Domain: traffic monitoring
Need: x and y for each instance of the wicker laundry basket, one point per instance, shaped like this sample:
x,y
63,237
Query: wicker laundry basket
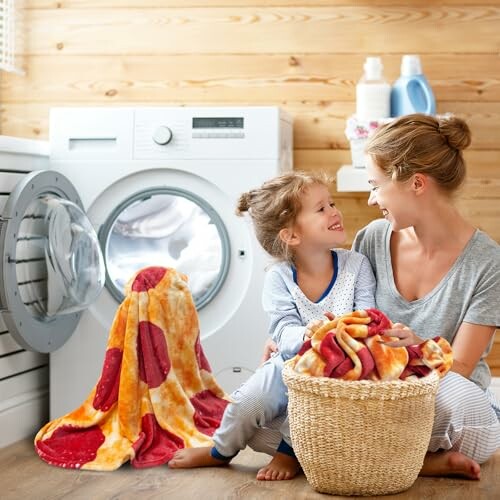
x,y
360,437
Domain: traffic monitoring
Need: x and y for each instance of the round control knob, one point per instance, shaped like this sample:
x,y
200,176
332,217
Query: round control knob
x,y
162,135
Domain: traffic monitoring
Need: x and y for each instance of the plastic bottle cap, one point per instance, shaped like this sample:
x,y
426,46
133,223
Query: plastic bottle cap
x,y
373,68
410,65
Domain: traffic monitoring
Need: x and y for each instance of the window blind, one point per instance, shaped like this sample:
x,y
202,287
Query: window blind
x,y
11,36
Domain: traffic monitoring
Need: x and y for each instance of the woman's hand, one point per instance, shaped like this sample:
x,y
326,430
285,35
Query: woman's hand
x,y
269,347
405,335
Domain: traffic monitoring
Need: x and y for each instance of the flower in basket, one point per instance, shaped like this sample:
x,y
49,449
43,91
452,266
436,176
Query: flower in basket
x,y
362,129
358,132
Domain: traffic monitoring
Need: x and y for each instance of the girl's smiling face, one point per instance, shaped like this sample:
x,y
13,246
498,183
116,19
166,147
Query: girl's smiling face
x,y
319,221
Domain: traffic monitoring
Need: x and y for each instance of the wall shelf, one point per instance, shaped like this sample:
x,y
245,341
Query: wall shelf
x,y
351,179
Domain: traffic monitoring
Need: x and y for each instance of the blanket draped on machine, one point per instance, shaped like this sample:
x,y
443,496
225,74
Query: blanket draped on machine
x,y
156,393
352,347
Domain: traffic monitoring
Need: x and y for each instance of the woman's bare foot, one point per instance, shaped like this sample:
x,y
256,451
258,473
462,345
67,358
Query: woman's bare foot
x,y
194,457
282,466
450,463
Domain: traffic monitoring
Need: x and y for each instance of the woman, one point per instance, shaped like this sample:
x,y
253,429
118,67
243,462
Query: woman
x,y
438,275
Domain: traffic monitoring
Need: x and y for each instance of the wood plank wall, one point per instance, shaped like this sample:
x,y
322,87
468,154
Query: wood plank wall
x,y
303,56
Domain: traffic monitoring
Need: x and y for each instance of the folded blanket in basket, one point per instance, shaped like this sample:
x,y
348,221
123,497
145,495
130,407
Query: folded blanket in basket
x,y
156,393
350,347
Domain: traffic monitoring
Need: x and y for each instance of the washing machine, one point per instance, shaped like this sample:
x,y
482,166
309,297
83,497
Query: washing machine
x,y
132,187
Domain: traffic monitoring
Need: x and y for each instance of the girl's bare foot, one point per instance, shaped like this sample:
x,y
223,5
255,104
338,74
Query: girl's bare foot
x,y
450,463
194,457
282,466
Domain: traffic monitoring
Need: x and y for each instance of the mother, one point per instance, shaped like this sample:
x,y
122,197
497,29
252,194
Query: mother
x,y
438,275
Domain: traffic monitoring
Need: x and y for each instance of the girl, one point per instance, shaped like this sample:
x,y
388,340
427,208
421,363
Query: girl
x,y
296,222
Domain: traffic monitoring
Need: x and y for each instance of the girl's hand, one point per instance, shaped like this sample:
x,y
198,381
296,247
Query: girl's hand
x,y
269,347
405,335
313,325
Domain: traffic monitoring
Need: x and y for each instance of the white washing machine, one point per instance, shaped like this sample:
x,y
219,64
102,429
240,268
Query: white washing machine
x,y
159,185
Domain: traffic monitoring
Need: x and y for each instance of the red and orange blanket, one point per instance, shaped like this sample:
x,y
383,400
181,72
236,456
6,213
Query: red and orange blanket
x,y
156,393
352,347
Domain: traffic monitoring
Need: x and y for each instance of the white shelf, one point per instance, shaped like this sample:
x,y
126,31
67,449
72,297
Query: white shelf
x,y
352,179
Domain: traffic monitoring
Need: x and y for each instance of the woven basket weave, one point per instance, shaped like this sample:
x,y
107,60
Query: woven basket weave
x,y
360,437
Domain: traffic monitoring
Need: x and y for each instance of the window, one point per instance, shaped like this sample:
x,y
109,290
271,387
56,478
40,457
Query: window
x,y
11,36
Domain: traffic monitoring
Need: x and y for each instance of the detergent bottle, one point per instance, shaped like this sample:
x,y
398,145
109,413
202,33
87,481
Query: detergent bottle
x,y
411,92
373,93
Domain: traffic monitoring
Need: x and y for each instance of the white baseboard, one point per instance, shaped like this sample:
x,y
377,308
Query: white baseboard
x,y
22,416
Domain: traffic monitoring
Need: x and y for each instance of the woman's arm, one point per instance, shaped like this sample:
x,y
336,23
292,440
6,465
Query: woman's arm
x,y
468,346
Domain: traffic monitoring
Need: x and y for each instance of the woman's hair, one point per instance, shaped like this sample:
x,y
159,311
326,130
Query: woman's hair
x,y
275,206
424,144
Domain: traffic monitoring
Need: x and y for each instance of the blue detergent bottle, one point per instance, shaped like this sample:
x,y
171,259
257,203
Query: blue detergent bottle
x,y
411,92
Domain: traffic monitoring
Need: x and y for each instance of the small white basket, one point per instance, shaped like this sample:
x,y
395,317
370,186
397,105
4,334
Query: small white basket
x,y
358,152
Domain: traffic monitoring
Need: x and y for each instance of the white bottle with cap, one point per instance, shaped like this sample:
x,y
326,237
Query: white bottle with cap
x,y
373,93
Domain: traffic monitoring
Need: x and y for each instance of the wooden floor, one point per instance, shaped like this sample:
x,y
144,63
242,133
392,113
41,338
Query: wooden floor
x,y
24,476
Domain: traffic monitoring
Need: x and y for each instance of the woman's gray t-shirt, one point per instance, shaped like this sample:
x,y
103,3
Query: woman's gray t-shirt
x,y
469,292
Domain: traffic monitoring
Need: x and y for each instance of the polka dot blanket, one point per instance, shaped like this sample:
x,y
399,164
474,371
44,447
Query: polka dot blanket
x,y
352,347
156,393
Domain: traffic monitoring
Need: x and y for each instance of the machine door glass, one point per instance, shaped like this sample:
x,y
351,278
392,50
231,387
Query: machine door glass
x,y
169,227
52,266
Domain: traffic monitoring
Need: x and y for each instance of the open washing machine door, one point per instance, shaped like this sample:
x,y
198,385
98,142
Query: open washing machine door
x,y
52,266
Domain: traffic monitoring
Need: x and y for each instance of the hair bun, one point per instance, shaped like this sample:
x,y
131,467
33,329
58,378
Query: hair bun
x,y
243,204
455,130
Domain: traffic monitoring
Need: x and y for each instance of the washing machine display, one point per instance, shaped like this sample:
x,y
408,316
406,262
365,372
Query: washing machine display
x,y
167,227
218,122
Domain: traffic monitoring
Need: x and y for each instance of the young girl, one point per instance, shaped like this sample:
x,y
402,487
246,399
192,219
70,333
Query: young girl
x,y
297,223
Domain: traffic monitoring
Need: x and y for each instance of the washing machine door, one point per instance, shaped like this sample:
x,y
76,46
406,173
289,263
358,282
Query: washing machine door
x,y
52,267
171,227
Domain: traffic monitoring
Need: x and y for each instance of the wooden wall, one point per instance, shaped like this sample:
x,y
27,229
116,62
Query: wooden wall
x,y
304,56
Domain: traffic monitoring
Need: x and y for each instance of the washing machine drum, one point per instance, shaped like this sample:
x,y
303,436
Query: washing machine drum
x,y
52,266
169,227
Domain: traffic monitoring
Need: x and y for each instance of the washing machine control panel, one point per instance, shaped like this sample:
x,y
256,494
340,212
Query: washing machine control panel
x,y
188,133
208,132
